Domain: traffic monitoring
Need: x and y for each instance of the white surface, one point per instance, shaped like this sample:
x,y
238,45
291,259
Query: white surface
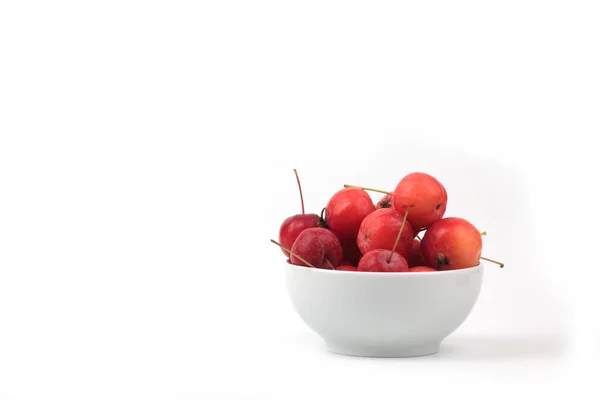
x,y
374,314
146,156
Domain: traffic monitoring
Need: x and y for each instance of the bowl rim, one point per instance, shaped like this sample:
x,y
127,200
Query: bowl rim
x,y
477,267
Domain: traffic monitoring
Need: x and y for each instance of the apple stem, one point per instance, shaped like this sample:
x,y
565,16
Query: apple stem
x,y
398,237
417,237
364,188
484,233
329,262
494,261
295,255
323,220
300,189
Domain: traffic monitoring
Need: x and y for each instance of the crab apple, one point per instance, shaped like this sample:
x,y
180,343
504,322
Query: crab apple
x,y
346,210
379,260
415,254
424,196
346,268
452,243
385,202
421,268
319,246
292,226
379,230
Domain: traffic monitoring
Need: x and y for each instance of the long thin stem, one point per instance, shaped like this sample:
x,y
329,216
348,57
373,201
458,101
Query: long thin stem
x,y
295,255
398,237
370,189
494,261
300,189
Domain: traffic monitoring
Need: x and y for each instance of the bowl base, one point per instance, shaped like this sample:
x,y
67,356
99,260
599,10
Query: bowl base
x,y
383,351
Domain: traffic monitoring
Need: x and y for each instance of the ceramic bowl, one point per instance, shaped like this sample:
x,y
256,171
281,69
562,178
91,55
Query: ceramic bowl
x,y
383,314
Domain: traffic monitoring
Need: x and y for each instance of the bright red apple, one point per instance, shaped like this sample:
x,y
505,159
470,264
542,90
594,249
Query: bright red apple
x,y
424,196
346,210
380,229
452,243
380,261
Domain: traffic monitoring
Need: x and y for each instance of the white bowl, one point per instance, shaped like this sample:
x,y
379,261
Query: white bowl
x,y
383,314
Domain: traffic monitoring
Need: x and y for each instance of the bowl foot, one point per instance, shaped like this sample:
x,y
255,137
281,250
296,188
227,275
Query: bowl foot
x,y
384,350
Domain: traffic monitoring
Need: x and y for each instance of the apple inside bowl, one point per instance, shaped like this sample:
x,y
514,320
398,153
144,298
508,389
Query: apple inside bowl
x,y
383,314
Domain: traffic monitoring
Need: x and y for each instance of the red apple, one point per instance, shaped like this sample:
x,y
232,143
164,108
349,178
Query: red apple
x,y
319,246
424,196
380,261
380,229
346,210
452,243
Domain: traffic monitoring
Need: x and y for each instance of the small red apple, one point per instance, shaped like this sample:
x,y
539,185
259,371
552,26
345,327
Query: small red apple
x,y
424,196
380,229
380,261
452,243
319,246
346,210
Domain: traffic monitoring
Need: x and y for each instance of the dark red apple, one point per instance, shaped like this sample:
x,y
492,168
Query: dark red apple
x,y
380,261
319,246
345,211
452,243
380,229
423,196
346,268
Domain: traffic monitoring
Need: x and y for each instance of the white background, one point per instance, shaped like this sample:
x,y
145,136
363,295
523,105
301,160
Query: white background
x,y
146,156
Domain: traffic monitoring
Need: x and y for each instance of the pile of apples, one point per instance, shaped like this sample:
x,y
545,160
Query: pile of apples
x,y
357,235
